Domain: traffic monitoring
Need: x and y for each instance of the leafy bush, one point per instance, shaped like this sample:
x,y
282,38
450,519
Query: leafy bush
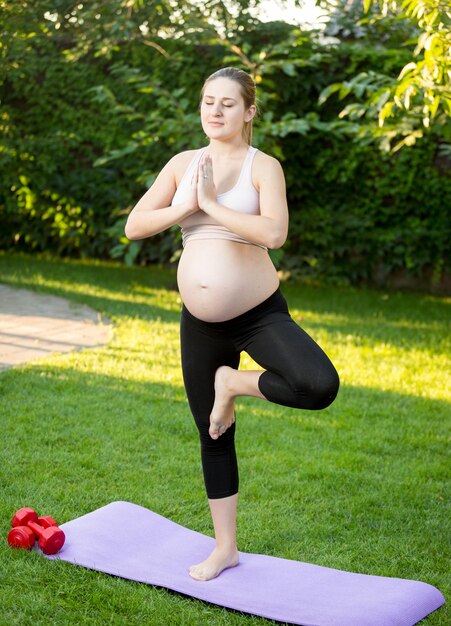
x,y
87,129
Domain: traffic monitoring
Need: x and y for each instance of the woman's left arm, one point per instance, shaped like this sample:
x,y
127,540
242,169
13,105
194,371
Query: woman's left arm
x,y
268,229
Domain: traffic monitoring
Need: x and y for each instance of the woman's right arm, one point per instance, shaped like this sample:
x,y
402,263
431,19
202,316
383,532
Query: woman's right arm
x,y
153,213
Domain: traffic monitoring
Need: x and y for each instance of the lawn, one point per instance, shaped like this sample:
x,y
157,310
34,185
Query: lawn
x,y
360,486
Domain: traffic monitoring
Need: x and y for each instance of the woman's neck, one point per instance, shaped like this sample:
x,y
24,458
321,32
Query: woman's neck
x,y
225,150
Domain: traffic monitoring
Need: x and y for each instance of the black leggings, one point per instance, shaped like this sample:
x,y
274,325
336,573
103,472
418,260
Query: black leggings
x,y
298,374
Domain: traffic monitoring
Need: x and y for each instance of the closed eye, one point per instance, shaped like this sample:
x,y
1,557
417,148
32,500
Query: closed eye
x,y
226,105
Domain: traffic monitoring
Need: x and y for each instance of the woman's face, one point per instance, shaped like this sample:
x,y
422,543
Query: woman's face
x,y
222,109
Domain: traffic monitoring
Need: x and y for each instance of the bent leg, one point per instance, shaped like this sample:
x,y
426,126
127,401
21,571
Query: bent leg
x,y
298,372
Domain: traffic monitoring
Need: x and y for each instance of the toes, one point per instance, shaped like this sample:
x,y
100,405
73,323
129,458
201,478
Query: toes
x,y
214,432
197,574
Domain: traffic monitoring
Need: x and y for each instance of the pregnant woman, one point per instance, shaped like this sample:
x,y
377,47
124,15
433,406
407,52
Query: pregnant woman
x,y
229,199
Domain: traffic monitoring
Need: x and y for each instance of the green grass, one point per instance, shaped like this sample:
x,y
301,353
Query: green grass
x,y
361,486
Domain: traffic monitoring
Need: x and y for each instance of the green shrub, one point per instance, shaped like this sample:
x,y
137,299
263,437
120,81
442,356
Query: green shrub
x,y
83,139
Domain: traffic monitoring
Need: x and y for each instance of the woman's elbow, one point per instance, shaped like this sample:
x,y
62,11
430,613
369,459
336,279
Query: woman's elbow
x,y
130,230
276,240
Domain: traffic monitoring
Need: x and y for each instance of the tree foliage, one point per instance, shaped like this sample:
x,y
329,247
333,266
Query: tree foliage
x,y
96,97
397,111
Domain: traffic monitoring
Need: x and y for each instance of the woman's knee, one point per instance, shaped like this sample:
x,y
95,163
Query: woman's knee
x,y
318,393
219,463
326,390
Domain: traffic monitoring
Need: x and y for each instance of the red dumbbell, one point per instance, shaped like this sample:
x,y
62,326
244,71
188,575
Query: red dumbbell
x,y
27,526
23,536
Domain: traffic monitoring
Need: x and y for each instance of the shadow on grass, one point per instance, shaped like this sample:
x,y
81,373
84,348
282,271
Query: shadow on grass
x,y
398,319
130,292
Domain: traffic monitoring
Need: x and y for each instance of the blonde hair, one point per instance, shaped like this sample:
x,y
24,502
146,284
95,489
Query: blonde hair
x,y
248,91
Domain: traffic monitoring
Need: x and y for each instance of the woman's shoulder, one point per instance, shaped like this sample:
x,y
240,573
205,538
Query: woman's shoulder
x,y
265,164
180,161
266,160
183,159
184,156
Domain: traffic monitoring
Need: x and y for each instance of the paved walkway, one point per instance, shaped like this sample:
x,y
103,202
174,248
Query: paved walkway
x,y
33,326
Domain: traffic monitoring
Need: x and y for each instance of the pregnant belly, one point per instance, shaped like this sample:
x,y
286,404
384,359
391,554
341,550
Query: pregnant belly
x,y
220,279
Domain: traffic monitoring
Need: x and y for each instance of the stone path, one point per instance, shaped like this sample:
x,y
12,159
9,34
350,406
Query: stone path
x,y
33,326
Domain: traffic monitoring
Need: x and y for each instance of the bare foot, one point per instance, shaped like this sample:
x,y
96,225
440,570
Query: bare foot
x,y
223,412
219,560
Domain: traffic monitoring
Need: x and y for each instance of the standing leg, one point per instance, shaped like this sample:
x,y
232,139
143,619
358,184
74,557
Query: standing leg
x,y
225,553
202,353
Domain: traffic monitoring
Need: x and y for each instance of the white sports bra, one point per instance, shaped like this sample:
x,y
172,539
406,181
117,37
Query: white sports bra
x,y
243,197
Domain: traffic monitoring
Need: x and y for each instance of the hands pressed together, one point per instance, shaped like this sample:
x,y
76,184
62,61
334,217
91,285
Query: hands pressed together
x,y
203,190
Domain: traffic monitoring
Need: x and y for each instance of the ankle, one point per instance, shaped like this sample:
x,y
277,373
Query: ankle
x,y
226,374
226,547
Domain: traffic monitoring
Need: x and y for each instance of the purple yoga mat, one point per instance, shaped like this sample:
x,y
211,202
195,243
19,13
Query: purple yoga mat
x,y
129,541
